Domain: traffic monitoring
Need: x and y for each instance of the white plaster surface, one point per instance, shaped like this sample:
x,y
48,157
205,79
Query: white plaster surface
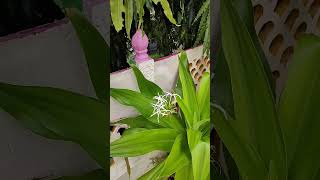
x,y
52,58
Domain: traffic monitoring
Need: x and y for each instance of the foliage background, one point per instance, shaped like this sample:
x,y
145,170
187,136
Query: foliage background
x,y
165,38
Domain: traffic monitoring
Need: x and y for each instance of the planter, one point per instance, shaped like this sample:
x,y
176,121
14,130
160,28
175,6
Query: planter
x,y
48,55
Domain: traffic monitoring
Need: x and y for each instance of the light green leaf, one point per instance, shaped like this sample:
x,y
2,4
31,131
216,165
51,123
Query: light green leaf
x,y
146,87
179,156
131,131
298,110
166,9
203,96
143,142
96,52
188,88
185,173
154,173
117,8
255,114
201,160
172,121
138,122
128,5
60,114
134,99
194,137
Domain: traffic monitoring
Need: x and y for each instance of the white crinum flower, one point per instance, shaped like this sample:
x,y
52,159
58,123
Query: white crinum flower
x,y
165,104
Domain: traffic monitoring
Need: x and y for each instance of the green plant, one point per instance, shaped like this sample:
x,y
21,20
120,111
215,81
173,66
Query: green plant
x,y
204,26
63,115
183,133
268,139
135,10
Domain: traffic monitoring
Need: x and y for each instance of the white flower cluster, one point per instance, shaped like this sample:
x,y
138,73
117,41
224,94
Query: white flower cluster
x,y
165,104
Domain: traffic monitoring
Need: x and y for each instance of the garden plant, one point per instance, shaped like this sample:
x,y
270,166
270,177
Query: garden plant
x,y
175,122
268,138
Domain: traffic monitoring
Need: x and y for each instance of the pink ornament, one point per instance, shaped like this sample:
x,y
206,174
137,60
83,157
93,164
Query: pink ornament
x,y
140,43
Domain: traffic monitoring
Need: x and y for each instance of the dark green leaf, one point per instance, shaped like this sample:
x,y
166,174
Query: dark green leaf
x,y
96,52
69,4
59,114
255,113
299,112
146,87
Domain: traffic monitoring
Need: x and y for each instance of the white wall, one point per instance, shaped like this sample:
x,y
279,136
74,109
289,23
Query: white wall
x,y
50,58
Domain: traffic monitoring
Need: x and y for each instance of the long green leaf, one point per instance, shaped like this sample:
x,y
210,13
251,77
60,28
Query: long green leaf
x,y
185,173
146,87
143,142
154,173
96,52
201,160
254,105
166,9
117,8
299,112
203,96
178,158
222,91
134,99
247,159
59,114
138,122
128,5
188,88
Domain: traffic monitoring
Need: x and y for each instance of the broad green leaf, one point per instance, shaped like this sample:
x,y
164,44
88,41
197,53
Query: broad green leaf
x,y
131,131
94,175
185,173
187,114
134,99
247,159
255,114
69,4
188,88
143,142
146,87
194,137
154,173
117,8
222,91
172,121
201,160
298,110
166,9
203,96
179,156
96,52
60,114
128,5
139,122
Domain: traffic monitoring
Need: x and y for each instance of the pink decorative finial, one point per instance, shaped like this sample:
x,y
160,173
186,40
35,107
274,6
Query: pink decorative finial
x,y
140,45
